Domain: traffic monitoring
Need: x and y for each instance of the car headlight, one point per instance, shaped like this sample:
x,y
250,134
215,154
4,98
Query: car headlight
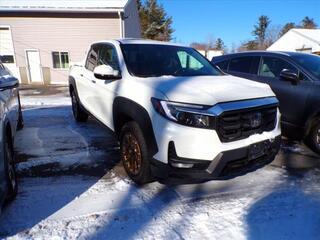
x,y
185,114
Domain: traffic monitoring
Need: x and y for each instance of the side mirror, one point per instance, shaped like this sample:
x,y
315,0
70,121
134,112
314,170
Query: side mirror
x,y
106,72
8,82
288,75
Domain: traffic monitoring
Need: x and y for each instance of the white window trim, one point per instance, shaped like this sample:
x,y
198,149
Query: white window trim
x,y
61,69
14,53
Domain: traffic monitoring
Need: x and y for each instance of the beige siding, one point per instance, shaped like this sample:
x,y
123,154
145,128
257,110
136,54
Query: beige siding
x,y
132,20
58,34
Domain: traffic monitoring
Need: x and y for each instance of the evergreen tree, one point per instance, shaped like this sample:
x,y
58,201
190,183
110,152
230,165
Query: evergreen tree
x,y
260,30
287,27
154,21
308,23
219,45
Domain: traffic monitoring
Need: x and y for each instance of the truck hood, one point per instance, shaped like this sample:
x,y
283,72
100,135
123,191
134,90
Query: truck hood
x,y
208,90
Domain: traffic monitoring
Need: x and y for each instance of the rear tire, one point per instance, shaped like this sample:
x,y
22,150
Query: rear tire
x,y
134,153
10,170
313,139
78,113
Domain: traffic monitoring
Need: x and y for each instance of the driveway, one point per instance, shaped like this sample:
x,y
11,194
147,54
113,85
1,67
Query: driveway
x,y
72,186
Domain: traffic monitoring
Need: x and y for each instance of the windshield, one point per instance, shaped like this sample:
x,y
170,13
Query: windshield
x,y
309,62
151,60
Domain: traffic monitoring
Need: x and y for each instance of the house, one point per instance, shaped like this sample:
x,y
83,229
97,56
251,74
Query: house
x,y
298,40
39,39
209,53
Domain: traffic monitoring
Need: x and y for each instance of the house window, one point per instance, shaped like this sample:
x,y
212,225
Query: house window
x,y
60,60
7,59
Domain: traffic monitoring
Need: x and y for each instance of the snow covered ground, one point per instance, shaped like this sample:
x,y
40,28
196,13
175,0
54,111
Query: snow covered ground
x,y
73,187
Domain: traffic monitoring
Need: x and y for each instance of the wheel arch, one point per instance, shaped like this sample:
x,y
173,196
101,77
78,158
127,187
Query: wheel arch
x,y
311,121
125,110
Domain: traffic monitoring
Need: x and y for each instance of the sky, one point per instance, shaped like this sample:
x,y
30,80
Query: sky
x,y
232,20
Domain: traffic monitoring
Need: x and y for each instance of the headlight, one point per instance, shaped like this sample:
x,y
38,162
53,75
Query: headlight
x,y
185,114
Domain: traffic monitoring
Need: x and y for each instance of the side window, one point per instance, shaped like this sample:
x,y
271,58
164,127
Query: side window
x,y
92,58
272,67
223,65
108,56
188,62
244,65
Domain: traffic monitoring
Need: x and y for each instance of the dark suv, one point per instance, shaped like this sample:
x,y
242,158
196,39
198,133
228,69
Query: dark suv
x,y
295,79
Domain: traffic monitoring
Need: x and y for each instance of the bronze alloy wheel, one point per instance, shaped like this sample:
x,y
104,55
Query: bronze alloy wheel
x,y
131,154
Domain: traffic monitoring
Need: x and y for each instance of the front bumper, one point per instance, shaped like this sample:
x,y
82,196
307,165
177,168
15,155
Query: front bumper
x,y
226,165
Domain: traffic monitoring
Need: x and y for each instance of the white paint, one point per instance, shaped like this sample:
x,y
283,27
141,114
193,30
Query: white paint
x,y
34,66
97,96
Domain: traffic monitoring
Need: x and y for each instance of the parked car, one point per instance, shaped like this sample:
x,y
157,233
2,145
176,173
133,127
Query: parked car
x,y
10,121
295,79
175,115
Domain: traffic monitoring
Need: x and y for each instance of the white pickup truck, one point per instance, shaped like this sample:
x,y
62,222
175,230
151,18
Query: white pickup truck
x,y
175,114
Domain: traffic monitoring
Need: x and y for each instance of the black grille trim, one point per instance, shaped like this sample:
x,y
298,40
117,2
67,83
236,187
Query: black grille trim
x,y
235,125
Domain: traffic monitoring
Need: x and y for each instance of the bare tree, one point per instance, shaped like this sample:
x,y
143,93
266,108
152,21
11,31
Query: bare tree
x,y
272,34
248,46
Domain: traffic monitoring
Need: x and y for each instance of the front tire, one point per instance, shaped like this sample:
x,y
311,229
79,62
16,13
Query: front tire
x,y
78,113
313,140
134,154
10,171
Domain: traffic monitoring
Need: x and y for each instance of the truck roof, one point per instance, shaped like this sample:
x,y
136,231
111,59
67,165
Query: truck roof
x,y
140,41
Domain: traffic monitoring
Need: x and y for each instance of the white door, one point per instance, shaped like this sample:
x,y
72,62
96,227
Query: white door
x,y
34,66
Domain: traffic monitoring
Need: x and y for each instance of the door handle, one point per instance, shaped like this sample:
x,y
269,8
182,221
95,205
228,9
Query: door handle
x,y
81,75
94,81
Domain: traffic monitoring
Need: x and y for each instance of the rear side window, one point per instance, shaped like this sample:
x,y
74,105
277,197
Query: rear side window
x,y
223,65
244,65
272,67
92,58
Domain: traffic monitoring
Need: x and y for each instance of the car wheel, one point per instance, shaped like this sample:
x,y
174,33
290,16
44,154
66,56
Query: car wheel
x,y
313,140
10,171
78,113
134,154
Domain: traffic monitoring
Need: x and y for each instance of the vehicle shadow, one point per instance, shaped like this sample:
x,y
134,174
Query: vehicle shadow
x,y
51,145
286,213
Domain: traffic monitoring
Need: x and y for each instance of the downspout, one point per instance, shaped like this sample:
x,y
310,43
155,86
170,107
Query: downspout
x,y
121,19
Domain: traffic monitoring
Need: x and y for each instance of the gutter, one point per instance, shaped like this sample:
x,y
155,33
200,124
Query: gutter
x,y
121,24
60,10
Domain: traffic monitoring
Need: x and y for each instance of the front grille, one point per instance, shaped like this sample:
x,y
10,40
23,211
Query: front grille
x,y
240,124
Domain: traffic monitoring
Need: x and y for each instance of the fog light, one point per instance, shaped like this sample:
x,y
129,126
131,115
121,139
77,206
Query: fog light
x,y
182,165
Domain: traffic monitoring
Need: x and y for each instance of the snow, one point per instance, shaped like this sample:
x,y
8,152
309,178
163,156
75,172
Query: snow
x,y
267,204
270,203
